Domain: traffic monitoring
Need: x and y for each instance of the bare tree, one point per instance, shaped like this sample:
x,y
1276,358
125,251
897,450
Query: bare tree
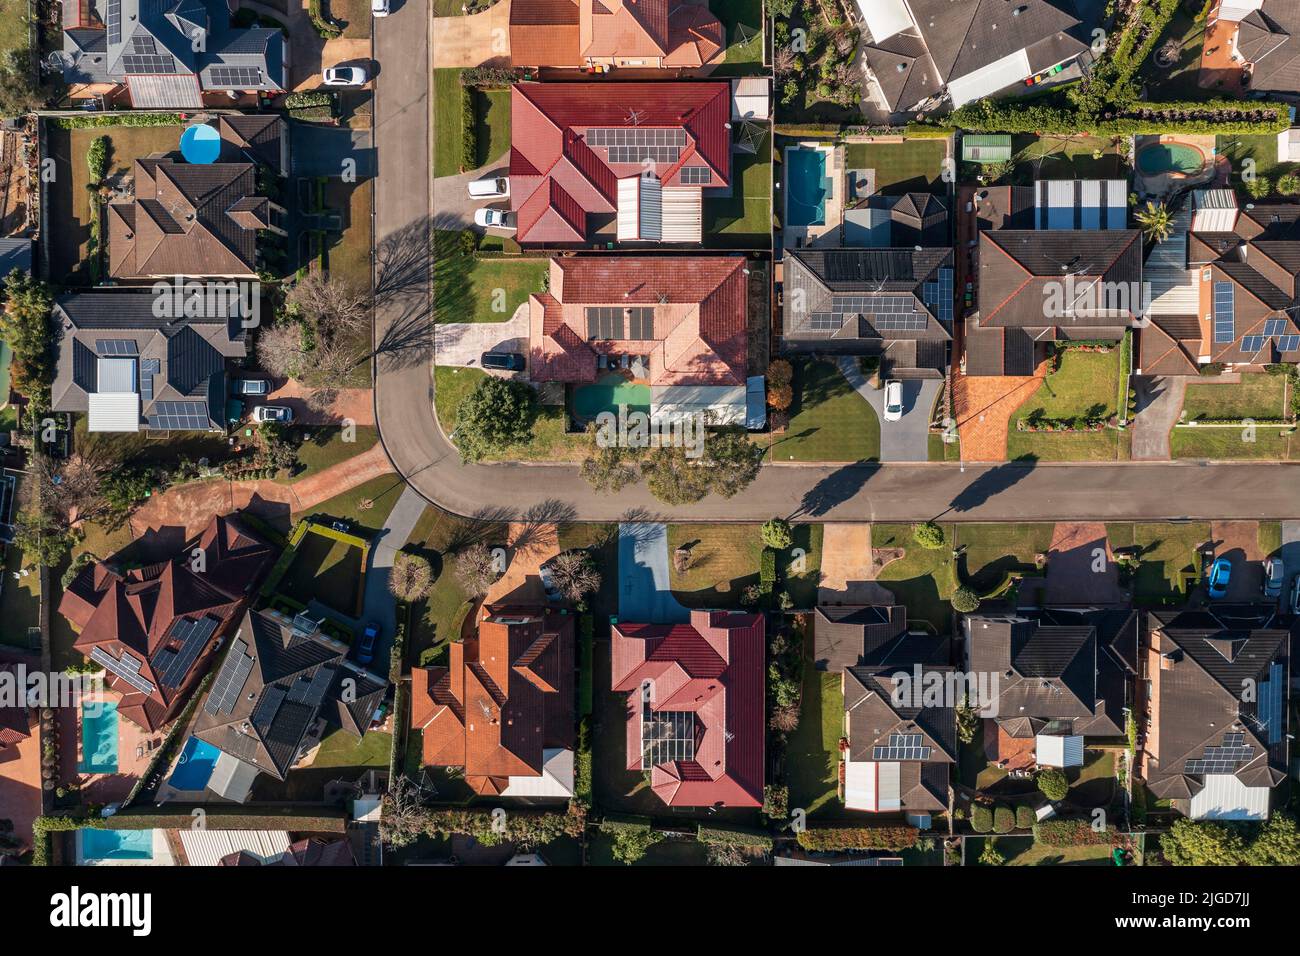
x,y
73,489
476,569
330,303
575,574
280,350
402,818
410,578
783,61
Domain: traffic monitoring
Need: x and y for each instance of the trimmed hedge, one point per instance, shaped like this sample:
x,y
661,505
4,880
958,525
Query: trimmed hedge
x,y
469,130
1072,833
988,116
733,836
825,839
1025,817
981,819
98,120
1004,820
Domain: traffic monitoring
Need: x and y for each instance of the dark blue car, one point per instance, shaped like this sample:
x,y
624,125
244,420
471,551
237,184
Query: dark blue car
x,y
366,646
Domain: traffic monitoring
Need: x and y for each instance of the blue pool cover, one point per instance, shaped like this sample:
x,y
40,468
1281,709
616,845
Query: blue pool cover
x,y
196,764
200,144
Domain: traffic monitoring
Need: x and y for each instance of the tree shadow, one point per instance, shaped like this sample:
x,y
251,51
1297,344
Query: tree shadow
x,y
403,261
834,490
992,483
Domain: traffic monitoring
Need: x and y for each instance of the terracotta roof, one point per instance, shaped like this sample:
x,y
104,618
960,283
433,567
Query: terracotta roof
x,y
1164,354
505,698
544,33
135,612
698,334
550,147
706,676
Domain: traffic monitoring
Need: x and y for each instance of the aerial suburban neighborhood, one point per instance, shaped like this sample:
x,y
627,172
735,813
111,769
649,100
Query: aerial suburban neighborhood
x,y
612,433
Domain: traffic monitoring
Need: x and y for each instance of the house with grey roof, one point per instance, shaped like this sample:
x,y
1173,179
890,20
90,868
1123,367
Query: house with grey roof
x,y
1266,42
168,54
921,53
1216,737
283,687
845,636
129,369
896,304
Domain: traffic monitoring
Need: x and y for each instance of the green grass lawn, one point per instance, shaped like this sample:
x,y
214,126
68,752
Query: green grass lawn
x,y
1225,444
354,13
329,571
492,125
744,219
915,165
1262,149
448,120
1258,396
13,25
1168,554
1024,851
21,600
1086,385
812,754
923,580
995,550
724,560
550,441
829,420
366,506
740,58
1269,535
469,289
1065,157
672,852
1179,82
1093,784
324,447
341,757
348,252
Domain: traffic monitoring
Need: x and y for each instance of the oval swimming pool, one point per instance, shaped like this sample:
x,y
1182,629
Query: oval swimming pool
x,y
1170,158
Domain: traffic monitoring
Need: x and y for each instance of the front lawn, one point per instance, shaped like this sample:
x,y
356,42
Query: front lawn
x,y
1167,553
922,579
366,506
550,440
1257,395
327,570
1025,851
743,220
1086,386
914,165
491,124
1269,443
993,551
348,253
323,447
449,123
829,420
1179,81
724,560
467,288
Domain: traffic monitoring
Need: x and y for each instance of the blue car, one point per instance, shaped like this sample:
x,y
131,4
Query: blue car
x,y
366,646
1219,573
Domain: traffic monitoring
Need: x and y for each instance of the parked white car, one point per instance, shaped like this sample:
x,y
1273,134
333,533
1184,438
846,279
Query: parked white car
x,y
379,8
272,413
494,219
345,76
893,400
496,188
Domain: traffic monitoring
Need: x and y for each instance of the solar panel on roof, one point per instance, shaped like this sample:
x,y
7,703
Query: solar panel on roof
x,y
114,21
1252,343
143,44
268,706
116,347
179,416
1288,343
141,64
127,668
1224,312
193,637
696,175
241,76
1270,704
1276,326
230,682
826,321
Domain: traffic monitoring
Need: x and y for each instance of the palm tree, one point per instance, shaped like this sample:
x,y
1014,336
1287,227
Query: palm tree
x,y
1156,221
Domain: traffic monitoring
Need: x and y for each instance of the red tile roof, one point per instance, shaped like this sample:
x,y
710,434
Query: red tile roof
x,y
564,33
549,124
713,669
700,326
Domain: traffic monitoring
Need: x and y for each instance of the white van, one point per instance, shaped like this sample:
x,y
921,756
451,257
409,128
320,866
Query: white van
x,y
496,188
893,400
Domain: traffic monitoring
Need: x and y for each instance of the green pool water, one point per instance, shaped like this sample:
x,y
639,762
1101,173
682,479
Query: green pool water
x,y
607,393
1170,158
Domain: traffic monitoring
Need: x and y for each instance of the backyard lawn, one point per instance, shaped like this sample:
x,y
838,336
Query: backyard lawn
x,y
1066,157
21,600
1024,851
550,441
744,219
914,165
1167,551
813,751
740,57
1258,396
1085,386
341,756
829,420
1237,148
469,289
327,570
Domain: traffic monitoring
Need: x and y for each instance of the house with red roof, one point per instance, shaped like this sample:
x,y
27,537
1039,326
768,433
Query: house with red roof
x,y
669,34
593,163
677,325
155,629
503,707
695,706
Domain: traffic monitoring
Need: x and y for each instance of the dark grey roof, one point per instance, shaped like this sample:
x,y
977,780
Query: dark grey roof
x,y
844,636
1205,659
294,679
1269,40
15,254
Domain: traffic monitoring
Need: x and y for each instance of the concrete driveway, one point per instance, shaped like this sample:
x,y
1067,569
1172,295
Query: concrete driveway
x,y
473,40
1080,566
452,203
320,150
846,571
1238,541
644,592
1159,402
463,343
378,601
907,439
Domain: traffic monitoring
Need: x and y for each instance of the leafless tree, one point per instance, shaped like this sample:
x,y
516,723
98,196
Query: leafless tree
x,y
575,574
785,719
410,578
279,349
476,569
330,304
402,818
783,61
73,489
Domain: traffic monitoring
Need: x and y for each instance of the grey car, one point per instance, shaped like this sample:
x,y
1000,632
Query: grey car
x,y
1274,578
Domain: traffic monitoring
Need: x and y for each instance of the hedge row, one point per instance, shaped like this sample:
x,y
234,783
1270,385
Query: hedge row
x,y
1072,833
733,836
827,839
469,130
614,822
97,120
1216,116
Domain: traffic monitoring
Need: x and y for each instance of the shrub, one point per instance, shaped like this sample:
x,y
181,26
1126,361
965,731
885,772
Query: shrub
x,y
990,855
469,128
779,372
1004,820
981,818
767,571
777,534
1053,784
1025,817
780,396
965,600
827,839
733,836
1259,187
97,159
929,535
1288,185
1071,833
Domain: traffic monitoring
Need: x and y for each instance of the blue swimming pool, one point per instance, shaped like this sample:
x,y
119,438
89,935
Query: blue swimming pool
x,y
806,187
116,845
195,767
98,737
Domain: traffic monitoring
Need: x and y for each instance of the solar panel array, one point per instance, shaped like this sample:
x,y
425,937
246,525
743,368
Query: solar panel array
x,y
1252,343
1269,707
1224,312
696,175
148,369
938,295
1288,343
266,709
1224,758
142,43
902,747
312,691
193,636
179,416
1274,327
143,64
127,668
116,347
230,682
633,144
666,736
114,21
241,76
826,321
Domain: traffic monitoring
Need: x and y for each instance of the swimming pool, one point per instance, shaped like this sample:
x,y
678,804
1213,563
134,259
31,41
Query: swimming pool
x,y
609,392
116,845
806,187
195,766
98,737
1170,158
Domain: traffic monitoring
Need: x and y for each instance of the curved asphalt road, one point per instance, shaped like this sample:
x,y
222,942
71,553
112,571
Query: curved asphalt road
x,y
859,492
